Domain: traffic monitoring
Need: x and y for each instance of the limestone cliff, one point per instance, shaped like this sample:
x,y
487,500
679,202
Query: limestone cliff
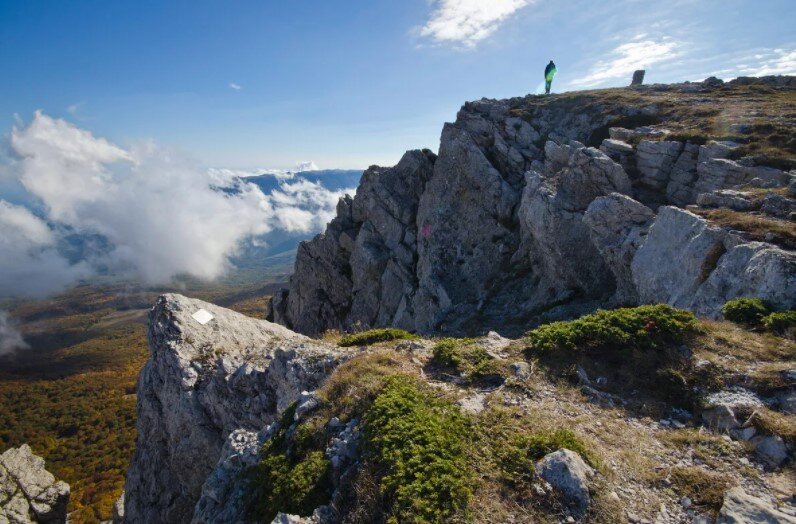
x,y
211,373
539,208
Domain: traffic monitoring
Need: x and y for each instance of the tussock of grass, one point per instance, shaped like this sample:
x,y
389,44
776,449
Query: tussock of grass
x,y
643,327
372,336
707,446
522,450
756,226
703,487
506,444
770,422
465,357
353,386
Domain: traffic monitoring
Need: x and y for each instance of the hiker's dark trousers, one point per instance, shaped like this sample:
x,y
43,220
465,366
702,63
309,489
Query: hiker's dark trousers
x,y
547,84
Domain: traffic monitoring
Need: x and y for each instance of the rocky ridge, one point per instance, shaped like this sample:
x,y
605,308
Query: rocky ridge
x,y
539,208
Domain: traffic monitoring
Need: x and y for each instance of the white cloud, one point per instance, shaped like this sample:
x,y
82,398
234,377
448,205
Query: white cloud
x,y
467,22
64,165
773,62
304,206
628,57
74,108
306,166
162,213
236,87
30,264
10,339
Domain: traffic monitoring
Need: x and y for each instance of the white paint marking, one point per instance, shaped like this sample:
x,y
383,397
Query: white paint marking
x,y
202,316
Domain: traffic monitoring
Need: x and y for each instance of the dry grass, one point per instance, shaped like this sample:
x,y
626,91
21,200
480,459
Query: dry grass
x,y
708,447
745,349
756,226
771,422
703,487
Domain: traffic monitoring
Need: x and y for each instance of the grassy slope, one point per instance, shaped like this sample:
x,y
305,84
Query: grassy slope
x,y
641,463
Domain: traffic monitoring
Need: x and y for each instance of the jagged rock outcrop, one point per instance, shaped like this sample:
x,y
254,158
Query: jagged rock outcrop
x,y
497,232
28,492
208,378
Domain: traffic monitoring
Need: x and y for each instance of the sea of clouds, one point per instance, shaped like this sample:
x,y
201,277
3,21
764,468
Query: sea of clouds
x,y
159,212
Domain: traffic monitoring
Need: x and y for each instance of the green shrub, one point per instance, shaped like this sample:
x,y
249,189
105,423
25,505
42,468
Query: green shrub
x,y
373,336
783,323
292,479
418,442
642,327
747,311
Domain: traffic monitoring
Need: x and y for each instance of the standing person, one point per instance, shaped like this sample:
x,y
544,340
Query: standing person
x,y
549,72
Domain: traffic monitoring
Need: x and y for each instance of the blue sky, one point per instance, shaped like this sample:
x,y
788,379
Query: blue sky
x,y
255,84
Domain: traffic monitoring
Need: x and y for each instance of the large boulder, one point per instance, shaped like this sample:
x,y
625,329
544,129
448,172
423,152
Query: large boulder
x,y
688,263
28,492
569,475
211,372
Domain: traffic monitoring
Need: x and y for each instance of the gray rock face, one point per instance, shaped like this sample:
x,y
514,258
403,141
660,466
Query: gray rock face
x,y
742,508
569,476
204,380
680,189
680,251
618,226
656,161
755,270
687,263
771,449
224,493
551,215
436,243
28,492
